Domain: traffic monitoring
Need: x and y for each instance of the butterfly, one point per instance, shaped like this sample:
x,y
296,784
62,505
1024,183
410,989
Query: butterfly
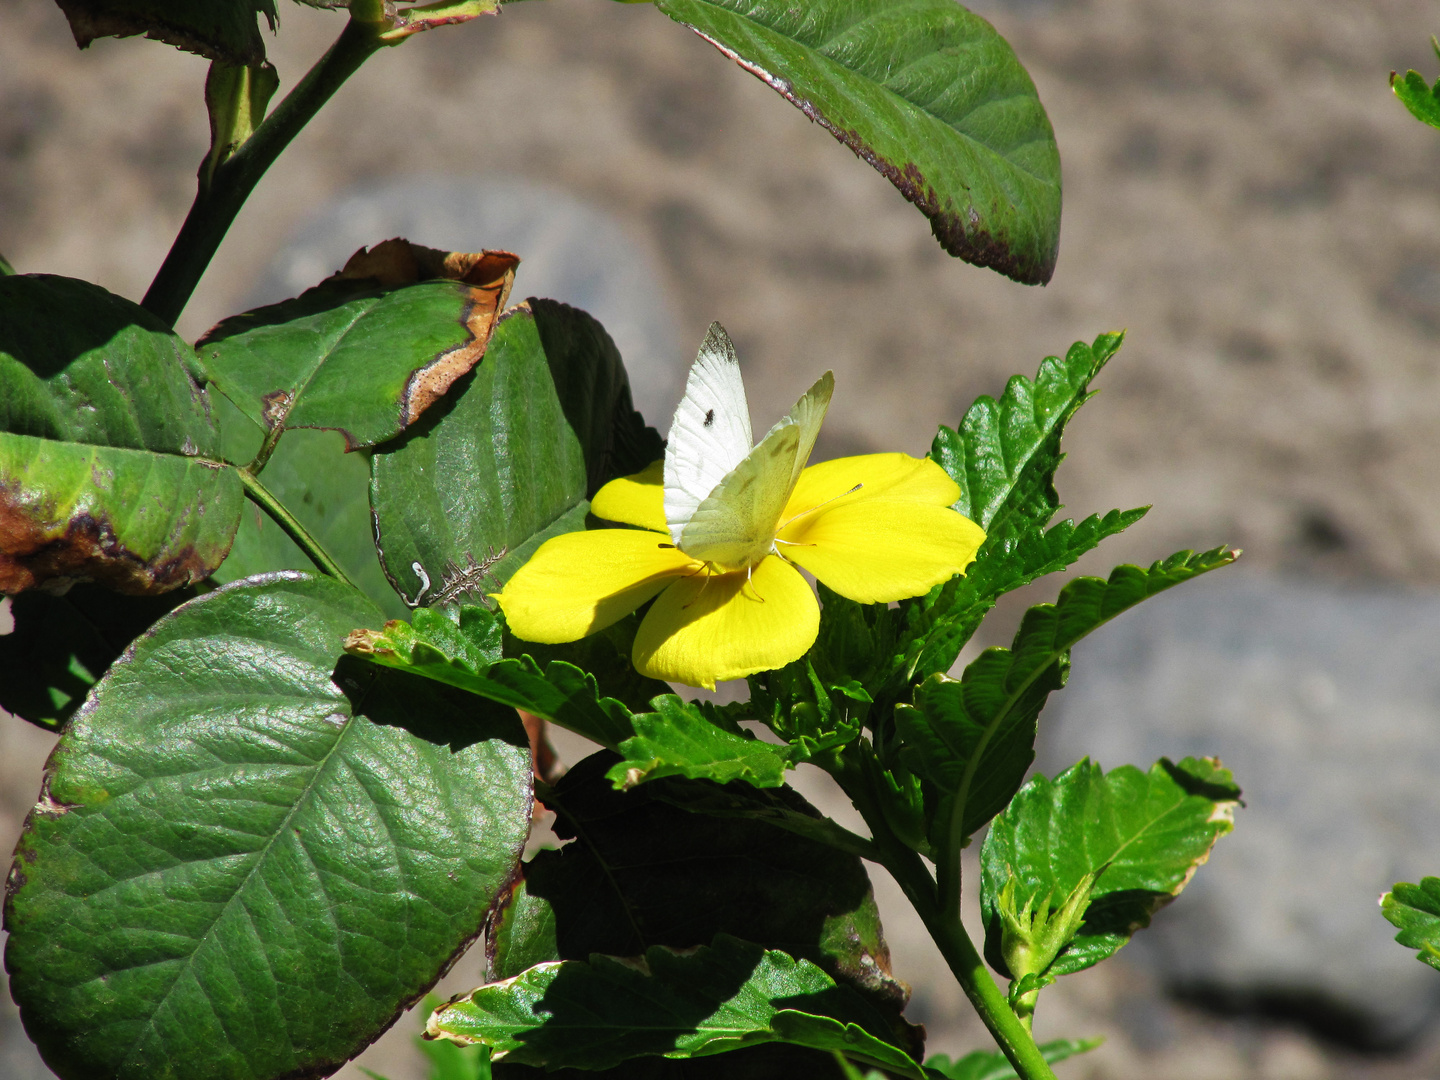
x,y
723,494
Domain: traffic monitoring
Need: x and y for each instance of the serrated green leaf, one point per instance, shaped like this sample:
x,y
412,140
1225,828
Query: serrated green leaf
x,y
560,692
509,460
686,739
642,869
1004,453
236,827
993,1065
1422,99
1142,836
352,355
716,998
62,645
1415,910
928,94
935,627
219,29
974,738
108,467
605,655
325,489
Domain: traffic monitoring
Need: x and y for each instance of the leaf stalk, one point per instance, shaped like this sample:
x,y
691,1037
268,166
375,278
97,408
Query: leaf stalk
x,y
948,933
231,181
314,550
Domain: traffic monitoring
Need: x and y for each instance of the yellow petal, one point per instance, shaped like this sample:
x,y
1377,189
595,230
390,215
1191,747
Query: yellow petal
x,y
881,549
892,476
581,582
705,628
634,500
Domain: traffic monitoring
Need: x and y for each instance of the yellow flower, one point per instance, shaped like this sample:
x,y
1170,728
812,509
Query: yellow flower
x,y
874,528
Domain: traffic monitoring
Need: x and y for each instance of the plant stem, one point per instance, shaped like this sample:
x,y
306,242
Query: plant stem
x,y
948,933
316,552
217,203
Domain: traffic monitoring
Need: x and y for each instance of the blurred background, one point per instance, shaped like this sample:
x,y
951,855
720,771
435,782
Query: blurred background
x,y
1243,194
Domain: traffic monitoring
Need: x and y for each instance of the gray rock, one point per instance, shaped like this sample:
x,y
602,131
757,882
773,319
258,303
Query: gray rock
x,y
570,251
1325,701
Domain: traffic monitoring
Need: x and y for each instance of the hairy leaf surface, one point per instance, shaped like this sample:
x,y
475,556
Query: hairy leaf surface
x,y
928,94
235,827
1415,909
722,997
974,737
108,454
1141,834
1004,453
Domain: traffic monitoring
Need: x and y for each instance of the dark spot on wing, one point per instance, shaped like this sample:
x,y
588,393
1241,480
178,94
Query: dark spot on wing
x,y
709,417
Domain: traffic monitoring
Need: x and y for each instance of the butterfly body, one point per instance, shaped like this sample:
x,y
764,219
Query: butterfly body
x,y
723,496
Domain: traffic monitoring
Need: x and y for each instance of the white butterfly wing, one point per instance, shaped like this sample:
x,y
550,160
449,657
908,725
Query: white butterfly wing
x,y
710,434
735,526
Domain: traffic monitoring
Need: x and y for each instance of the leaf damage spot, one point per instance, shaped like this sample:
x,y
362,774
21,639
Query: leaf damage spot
x,y
275,406
488,276
36,551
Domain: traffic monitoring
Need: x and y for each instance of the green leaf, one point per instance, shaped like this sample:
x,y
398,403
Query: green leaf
x,y
769,1061
993,1065
687,739
973,738
1415,909
722,997
1422,99
1141,835
1004,453
928,94
328,492
643,870
235,827
511,460
936,627
218,29
107,447
605,655
354,355
62,645
460,647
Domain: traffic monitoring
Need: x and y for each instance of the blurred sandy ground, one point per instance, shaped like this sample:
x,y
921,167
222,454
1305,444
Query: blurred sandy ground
x,y
1242,193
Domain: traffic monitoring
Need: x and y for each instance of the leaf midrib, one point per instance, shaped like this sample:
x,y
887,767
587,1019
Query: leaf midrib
x,y
303,797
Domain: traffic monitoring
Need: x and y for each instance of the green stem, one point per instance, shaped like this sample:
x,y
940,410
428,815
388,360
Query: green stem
x,y
217,203
948,933
262,497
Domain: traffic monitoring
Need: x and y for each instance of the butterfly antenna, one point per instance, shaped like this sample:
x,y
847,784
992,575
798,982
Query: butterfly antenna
x,y
817,506
705,569
750,580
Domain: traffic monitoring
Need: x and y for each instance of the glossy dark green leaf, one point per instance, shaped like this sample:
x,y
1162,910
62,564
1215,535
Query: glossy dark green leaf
x,y
1004,453
461,647
219,29
327,491
1415,909
974,737
62,645
605,655
993,1065
108,453
236,827
643,871
1142,835
770,1061
725,996
511,458
928,94
351,354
